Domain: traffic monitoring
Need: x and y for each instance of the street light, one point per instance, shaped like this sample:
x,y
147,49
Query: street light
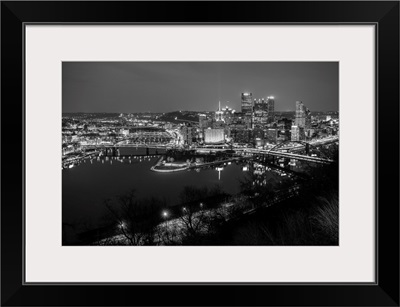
x,y
165,214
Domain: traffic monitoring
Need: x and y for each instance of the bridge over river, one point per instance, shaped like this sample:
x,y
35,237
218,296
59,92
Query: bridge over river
x,y
282,150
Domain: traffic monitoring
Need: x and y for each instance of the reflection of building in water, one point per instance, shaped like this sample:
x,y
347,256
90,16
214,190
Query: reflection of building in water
x,y
219,169
214,136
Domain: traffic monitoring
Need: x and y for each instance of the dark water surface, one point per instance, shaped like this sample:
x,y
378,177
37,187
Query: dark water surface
x,y
85,187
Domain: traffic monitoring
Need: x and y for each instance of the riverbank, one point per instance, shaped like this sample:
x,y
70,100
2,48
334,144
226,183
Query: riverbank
x,y
167,167
164,167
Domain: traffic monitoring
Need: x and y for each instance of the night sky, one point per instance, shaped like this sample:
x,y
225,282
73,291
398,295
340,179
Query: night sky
x,y
128,87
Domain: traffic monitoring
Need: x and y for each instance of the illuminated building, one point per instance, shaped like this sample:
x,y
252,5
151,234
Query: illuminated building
x,y
187,133
258,142
297,133
258,133
302,117
263,111
241,134
247,104
228,114
203,122
260,115
219,114
271,135
271,109
285,125
124,132
214,136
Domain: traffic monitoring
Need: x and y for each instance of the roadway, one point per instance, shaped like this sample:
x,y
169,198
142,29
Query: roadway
x,y
254,151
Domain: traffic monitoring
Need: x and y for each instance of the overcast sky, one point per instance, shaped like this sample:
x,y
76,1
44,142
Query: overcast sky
x,y
124,87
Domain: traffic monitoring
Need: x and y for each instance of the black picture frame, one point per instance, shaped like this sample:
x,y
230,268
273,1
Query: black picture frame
x,y
383,14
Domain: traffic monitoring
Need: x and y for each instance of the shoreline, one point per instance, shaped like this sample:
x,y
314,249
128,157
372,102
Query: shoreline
x,y
158,164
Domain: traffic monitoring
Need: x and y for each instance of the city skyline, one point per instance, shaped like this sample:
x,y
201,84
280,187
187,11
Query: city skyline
x,y
220,174
135,87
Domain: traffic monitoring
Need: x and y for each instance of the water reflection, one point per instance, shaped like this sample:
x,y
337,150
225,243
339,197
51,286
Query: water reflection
x,y
87,186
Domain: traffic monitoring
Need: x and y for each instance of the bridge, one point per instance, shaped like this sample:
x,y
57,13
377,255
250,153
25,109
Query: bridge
x,y
301,145
133,145
253,151
281,150
287,155
71,160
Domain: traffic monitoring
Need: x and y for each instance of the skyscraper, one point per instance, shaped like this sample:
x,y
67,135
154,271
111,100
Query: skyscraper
x,y
186,131
264,111
302,117
260,113
271,109
203,121
219,114
272,135
295,133
260,107
247,104
227,114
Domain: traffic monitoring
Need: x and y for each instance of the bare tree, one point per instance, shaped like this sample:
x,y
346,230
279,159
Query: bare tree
x,y
195,221
135,219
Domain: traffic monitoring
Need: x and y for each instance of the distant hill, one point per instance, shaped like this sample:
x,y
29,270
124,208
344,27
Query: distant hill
x,y
180,116
92,115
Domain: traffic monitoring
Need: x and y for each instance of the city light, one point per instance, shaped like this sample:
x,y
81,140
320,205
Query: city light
x,y
164,152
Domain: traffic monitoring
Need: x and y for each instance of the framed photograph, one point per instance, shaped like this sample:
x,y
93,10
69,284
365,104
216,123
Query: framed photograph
x,y
241,153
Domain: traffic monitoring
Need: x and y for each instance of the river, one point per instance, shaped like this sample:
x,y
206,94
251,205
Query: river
x,y
87,186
